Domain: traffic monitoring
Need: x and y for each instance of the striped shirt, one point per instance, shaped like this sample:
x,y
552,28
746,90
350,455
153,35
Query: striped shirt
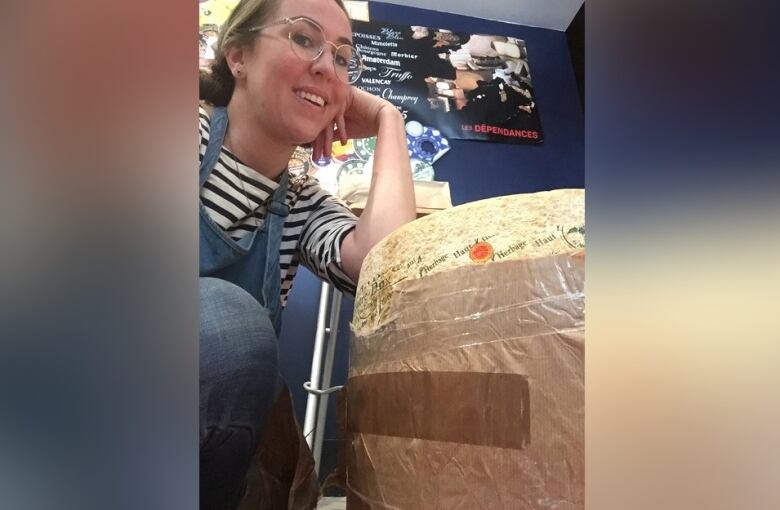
x,y
234,195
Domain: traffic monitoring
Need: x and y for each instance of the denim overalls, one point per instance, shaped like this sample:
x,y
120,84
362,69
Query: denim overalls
x,y
253,262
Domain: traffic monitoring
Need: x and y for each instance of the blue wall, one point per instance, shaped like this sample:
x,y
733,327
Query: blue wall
x,y
475,170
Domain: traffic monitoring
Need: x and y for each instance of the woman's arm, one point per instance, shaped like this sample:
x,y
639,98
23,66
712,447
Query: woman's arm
x,y
390,202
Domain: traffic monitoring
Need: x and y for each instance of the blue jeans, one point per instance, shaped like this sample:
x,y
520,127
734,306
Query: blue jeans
x,y
239,382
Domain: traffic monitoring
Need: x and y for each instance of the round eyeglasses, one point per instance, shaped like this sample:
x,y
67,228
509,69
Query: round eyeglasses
x,y
307,40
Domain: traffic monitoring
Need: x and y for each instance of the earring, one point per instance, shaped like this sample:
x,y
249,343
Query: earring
x,y
238,72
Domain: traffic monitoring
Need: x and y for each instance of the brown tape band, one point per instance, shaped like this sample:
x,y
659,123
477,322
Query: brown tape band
x,y
462,407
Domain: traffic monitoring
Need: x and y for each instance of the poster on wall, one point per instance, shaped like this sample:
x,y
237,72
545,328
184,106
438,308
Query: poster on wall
x,y
446,84
468,86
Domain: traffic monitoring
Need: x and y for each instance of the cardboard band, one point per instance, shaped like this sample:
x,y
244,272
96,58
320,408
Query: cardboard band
x,y
486,409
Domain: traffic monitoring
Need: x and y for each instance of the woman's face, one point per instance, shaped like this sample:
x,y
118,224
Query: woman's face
x,y
276,79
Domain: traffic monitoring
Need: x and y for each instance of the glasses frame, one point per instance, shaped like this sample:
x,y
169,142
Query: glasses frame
x,y
336,47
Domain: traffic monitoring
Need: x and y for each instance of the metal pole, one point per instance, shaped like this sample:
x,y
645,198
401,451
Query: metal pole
x,y
327,372
316,367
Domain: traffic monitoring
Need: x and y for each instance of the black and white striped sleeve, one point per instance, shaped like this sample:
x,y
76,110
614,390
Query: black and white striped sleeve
x,y
328,222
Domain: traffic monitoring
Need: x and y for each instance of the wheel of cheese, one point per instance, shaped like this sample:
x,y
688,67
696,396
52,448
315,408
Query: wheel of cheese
x,y
512,227
466,381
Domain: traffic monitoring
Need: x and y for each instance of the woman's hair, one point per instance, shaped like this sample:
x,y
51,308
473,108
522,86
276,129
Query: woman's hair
x,y
216,85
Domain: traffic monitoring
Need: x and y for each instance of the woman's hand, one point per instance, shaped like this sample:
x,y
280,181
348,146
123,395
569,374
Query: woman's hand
x,y
359,118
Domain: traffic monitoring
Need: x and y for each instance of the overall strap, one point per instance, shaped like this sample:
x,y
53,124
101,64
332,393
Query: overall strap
x,y
217,129
277,212
277,202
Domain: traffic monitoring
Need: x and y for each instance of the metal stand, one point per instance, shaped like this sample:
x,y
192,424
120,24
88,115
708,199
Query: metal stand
x,y
319,384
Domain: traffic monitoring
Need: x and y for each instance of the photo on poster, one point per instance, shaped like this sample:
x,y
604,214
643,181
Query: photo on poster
x,y
469,86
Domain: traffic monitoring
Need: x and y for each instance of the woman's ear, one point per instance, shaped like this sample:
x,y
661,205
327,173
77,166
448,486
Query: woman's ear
x,y
235,60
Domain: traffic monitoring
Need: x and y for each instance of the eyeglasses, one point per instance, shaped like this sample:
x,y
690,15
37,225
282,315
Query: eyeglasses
x,y
307,40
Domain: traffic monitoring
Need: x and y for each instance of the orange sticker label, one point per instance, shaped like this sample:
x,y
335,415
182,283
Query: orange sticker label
x,y
481,252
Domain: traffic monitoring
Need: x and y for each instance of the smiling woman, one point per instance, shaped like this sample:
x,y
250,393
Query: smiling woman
x,y
281,78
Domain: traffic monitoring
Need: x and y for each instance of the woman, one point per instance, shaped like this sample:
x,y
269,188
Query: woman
x,y
282,78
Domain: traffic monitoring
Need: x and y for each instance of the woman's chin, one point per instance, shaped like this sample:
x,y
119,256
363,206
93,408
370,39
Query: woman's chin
x,y
305,138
